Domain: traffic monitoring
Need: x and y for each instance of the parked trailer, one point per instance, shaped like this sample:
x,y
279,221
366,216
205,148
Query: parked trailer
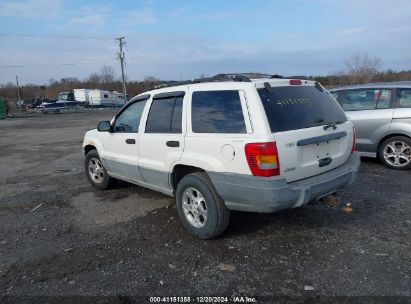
x,y
100,98
82,95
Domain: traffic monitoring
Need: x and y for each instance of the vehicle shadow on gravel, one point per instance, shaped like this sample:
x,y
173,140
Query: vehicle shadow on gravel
x,y
366,201
306,217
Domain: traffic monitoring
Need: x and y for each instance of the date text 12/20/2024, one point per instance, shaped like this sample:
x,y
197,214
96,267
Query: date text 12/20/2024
x,y
233,299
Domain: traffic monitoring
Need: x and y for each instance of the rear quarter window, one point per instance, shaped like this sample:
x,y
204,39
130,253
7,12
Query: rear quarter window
x,y
217,112
403,98
297,107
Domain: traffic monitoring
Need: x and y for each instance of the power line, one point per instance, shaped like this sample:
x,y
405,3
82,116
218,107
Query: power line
x,y
48,65
137,67
15,35
61,59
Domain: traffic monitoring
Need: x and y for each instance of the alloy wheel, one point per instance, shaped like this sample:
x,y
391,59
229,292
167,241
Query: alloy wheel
x,y
397,153
96,170
194,207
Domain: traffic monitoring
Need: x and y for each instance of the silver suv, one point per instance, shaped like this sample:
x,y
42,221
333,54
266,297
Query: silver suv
x,y
381,113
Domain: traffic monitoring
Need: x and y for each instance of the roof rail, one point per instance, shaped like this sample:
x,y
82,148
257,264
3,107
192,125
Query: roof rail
x,y
216,78
240,77
276,76
299,77
251,75
232,77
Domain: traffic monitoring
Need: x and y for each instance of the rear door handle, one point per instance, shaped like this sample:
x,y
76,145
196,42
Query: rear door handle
x,y
130,141
173,143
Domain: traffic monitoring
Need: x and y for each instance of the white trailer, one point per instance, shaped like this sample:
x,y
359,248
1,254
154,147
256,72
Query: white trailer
x,y
82,95
105,98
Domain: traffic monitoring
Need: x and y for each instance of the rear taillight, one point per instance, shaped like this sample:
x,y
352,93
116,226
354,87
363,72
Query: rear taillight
x,y
295,82
262,159
353,141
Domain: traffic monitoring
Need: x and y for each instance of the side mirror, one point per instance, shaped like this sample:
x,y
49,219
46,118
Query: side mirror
x,y
104,126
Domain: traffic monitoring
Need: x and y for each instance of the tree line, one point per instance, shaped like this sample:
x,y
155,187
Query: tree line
x,y
358,69
104,80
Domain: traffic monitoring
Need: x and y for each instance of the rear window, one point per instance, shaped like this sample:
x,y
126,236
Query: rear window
x,y
298,107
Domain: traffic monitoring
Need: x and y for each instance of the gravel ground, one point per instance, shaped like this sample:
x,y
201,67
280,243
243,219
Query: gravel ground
x,y
59,236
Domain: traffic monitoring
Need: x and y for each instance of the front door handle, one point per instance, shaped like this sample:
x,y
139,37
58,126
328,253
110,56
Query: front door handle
x,y
173,143
130,141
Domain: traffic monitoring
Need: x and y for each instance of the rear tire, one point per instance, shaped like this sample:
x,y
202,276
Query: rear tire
x,y
202,212
395,153
96,173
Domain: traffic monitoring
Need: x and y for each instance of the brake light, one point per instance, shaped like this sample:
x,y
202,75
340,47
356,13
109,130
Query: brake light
x,y
353,140
295,82
263,159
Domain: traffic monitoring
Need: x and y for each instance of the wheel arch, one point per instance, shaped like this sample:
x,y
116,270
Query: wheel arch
x,y
88,148
181,170
381,141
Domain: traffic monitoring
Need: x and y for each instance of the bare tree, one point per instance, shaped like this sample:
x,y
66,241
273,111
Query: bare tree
x,y
107,74
150,82
361,68
94,79
52,81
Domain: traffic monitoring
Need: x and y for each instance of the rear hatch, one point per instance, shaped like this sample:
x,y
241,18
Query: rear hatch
x,y
311,130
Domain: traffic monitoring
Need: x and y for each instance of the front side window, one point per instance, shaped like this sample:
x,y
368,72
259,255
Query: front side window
x,y
129,120
335,94
165,115
404,98
367,99
217,112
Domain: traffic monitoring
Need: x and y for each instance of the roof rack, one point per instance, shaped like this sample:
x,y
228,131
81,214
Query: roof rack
x,y
240,77
299,77
216,78
257,75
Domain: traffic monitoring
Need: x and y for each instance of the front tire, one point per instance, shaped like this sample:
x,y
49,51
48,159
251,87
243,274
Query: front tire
x,y
96,173
201,210
395,153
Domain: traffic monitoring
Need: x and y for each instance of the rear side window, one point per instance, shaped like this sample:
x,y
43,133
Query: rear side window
x,y
217,112
369,99
298,107
165,115
403,98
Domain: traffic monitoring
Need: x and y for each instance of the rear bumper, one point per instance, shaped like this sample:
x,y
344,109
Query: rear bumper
x,y
270,194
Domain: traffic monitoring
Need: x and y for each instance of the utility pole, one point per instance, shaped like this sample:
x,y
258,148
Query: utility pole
x,y
121,56
18,89
18,92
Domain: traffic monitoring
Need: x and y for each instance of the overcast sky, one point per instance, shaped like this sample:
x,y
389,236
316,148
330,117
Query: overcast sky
x,y
177,39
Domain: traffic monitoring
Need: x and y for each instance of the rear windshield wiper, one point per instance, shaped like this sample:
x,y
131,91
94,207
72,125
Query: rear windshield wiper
x,y
332,125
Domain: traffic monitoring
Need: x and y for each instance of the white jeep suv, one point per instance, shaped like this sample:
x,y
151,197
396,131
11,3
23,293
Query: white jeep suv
x,y
227,143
